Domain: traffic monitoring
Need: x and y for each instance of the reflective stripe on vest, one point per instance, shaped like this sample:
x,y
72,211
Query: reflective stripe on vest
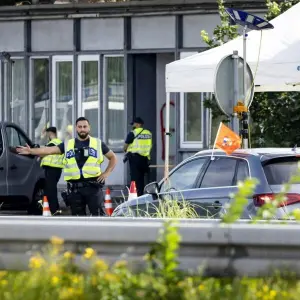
x,y
54,160
142,144
91,168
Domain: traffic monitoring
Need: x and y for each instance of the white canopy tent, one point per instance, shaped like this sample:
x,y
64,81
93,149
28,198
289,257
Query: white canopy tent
x,y
273,56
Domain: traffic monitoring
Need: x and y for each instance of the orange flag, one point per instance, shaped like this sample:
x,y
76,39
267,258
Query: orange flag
x,y
227,140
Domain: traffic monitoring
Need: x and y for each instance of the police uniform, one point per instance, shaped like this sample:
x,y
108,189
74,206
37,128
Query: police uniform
x,y
140,144
52,164
82,167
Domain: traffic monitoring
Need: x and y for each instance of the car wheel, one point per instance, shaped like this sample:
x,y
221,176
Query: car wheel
x,y
35,207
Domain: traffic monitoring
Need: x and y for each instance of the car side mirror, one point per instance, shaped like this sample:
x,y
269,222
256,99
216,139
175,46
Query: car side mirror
x,y
151,188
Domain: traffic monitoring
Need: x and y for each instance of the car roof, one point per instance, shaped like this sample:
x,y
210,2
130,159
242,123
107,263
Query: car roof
x,y
262,153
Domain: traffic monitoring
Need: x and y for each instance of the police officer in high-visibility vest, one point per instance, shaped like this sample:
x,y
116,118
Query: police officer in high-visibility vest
x,y
138,146
53,165
82,168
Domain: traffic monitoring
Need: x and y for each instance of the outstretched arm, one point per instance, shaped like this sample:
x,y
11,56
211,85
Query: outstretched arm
x,y
38,151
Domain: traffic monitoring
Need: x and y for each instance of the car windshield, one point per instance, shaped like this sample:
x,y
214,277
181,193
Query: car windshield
x,y
280,170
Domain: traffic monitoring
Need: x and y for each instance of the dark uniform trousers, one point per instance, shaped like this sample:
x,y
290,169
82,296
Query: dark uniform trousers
x,y
52,176
85,194
139,167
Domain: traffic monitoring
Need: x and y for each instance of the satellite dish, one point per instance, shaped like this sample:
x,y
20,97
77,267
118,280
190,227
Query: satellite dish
x,y
224,84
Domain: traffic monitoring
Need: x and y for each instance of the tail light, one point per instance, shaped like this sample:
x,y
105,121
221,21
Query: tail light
x,y
261,199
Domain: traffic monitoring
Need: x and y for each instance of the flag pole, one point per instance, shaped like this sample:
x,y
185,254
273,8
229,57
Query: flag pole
x,y
212,153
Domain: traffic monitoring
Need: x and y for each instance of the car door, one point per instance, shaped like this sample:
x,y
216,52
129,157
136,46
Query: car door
x,y
3,170
181,182
219,182
20,167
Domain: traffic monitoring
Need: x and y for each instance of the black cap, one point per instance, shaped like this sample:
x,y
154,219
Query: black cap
x,y
137,120
51,129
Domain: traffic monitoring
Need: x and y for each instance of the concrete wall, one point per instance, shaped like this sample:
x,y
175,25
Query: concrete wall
x,y
153,32
12,36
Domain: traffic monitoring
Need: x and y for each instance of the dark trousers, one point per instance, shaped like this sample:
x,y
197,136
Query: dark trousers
x,y
52,177
138,169
90,196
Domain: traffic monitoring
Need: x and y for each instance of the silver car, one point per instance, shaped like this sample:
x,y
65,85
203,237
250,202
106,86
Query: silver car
x,y
208,183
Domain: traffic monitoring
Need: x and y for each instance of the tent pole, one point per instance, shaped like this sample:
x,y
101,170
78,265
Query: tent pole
x,y
167,135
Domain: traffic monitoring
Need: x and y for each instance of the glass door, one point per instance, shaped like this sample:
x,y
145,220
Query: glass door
x,y
89,91
39,99
62,96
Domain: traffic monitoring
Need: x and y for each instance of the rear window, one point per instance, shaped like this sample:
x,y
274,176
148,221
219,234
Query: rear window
x,y
280,170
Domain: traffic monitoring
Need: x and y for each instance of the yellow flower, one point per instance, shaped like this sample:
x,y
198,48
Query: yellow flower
x,y
36,262
68,255
89,253
54,280
67,293
259,294
273,294
201,287
121,264
56,241
110,277
70,293
4,282
265,288
101,265
54,268
76,279
3,273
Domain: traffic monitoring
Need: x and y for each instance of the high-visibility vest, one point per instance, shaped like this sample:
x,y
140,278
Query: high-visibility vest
x,y
91,168
142,142
53,160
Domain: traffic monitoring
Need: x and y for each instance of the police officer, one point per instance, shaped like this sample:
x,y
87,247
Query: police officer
x,y
138,146
52,164
82,167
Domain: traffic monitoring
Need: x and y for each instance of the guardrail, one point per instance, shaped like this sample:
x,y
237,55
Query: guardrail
x,y
240,249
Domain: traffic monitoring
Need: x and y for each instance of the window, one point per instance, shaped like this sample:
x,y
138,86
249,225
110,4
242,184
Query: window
x,y
114,101
184,177
191,120
40,95
63,96
15,138
242,171
89,91
191,116
17,105
280,170
220,172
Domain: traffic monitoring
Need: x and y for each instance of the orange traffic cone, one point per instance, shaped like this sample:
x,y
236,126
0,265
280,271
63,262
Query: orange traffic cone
x,y
108,203
46,209
132,191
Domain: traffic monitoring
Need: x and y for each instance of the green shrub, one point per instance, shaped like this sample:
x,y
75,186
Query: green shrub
x,y
54,275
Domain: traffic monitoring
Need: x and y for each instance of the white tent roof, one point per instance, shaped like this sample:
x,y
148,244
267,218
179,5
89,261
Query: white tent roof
x,y
278,67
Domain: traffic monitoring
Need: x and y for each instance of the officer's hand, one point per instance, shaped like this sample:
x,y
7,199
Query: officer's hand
x,y
102,177
23,150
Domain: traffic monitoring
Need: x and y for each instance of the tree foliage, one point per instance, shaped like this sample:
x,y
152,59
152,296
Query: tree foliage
x,y
275,117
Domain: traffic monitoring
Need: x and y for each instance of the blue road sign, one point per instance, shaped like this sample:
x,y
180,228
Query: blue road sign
x,y
245,19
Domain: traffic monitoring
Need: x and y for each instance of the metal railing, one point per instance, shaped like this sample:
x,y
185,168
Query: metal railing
x,y
240,249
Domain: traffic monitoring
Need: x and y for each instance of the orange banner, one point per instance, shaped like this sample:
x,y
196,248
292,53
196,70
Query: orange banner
x,y
227,140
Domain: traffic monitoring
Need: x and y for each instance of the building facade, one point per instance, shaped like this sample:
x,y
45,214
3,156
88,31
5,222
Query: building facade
x,y
106,62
